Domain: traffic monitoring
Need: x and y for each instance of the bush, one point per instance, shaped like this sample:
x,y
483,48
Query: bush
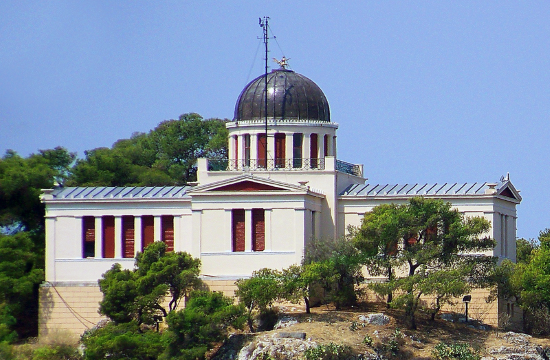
x,y
330,351
205,320
457,351
56,352
6,351
122,341
259,292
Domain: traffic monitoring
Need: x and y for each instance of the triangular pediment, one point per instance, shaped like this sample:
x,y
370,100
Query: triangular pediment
x,y
248,186
508,190
248,183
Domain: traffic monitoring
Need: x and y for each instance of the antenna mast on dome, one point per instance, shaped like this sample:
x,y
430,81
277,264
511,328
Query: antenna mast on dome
x,y
264,24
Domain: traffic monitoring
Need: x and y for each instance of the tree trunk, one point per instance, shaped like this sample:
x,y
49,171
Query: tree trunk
x,y
308,309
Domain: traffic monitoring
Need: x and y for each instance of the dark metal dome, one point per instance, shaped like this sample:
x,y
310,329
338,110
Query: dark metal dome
x,y
290,96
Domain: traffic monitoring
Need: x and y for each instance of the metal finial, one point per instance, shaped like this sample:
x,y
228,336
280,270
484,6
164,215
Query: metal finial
x,y
283,63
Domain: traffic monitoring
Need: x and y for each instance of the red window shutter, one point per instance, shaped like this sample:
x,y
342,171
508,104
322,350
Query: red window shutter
x,y
168,232
109,237
262,151
313,150
88,236
258,230
128,236
147,230
280,144
238,230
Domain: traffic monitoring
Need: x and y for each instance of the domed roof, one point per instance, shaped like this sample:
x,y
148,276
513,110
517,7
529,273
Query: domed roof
x,y
290,96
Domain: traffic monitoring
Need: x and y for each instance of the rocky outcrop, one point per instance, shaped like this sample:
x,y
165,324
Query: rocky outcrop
x,y
519,348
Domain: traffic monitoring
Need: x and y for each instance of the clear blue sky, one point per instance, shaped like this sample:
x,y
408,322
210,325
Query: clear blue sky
x,y
431,91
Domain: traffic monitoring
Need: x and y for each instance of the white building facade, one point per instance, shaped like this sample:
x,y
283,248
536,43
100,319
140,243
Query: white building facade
x,y
281,186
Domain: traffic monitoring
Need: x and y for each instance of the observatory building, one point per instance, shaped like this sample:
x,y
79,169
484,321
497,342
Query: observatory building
x,y
282,185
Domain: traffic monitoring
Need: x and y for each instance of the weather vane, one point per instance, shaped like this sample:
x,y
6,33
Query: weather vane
x,y
283,63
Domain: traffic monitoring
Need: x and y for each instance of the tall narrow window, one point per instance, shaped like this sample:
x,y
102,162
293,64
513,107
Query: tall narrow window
x,y
280,144
326,145
147,230
313,153
258,229
236,148
108,237
168,232
238,229
297,140
88,236
246,149
262,150
128,236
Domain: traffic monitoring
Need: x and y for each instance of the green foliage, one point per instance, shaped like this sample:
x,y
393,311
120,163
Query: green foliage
x,y
524,250
259,291
443,351
56,352
335,266
122,341
138,295
6,351
205,320
21,181
430,240
166,155
329,351
7,322
367,340
20,276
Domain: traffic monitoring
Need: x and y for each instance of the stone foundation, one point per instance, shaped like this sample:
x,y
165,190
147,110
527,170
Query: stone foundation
x,y
68,306
74,306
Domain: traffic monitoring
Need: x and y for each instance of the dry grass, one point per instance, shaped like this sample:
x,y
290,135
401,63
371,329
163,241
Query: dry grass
x,y
327,325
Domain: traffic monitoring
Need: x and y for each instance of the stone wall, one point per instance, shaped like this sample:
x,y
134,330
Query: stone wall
x,y
71,307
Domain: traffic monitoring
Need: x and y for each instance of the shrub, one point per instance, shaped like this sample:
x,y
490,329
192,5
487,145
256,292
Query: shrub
x,y
259,292
56,352
205,320
456,351
122,341
330,351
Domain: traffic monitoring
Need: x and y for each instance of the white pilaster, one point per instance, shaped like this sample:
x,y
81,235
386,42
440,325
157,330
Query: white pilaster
x,y
248,230
306,151
240,152
300,233
270,148
158,228
321,146
254,147
268,230
195,249
50,247
228,231
137,235
118,237
98,237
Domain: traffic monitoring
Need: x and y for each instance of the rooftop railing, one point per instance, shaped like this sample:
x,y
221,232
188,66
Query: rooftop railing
x,y
265,164
298,164
349,168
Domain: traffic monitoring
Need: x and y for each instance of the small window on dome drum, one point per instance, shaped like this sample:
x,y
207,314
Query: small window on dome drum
x,y
246,149
280,144
314,151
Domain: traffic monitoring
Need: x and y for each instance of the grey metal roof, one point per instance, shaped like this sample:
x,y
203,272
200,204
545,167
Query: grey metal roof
x,y
108,192
438,189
